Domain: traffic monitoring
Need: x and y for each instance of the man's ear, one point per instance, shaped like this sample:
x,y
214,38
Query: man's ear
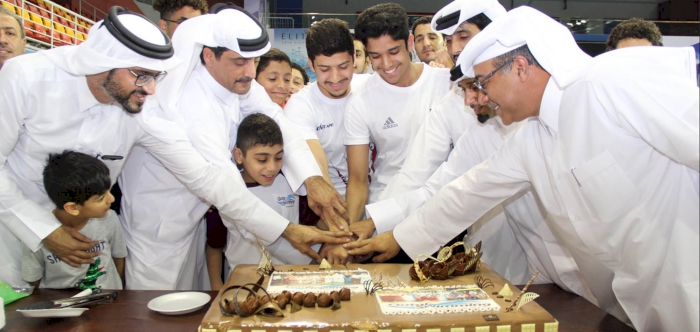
x,y
238,155
410,42
522,67
163,26
72,208
208,55
311,64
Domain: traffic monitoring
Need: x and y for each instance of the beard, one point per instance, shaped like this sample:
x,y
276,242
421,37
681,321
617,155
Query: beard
x,y
121,97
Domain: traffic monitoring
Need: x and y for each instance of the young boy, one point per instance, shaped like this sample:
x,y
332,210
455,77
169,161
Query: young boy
x,y
79,186
259,151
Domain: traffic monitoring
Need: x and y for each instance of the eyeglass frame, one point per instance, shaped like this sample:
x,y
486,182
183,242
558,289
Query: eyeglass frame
x,y
159,77
179,21
479,84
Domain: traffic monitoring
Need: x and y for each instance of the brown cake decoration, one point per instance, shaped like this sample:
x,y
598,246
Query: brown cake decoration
x,y
309,300
446,264
298,298
324,300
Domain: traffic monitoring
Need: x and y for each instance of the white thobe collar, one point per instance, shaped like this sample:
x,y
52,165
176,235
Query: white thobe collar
x,y
224,95
549,109
86,100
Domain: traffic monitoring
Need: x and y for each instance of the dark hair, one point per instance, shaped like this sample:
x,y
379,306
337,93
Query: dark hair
x,y
421,20
634,28
272,55
218,51
302,70
328,37
480,20
257,129
74,177
168,7
382,19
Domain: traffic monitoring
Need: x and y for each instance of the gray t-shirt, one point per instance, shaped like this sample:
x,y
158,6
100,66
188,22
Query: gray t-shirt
x,y
54,273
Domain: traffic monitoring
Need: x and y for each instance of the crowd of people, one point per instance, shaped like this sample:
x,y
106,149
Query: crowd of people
x,y
213,143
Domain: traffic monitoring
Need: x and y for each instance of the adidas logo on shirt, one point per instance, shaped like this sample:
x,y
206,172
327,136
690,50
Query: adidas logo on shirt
x,y
389,124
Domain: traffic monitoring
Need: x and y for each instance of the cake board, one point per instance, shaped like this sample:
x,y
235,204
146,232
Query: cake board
x,y
362,312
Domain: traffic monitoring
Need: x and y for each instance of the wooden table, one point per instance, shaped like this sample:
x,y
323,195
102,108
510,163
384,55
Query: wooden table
x,y
129,313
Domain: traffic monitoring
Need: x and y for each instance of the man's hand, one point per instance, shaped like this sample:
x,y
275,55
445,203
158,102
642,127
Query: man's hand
x,y
334,254
444,60
384,244
326,202
363,229
303,237
71,246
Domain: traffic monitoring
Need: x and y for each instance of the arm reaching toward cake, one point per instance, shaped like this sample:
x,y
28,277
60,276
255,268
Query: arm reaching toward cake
x,y
303,237
384,244
325,199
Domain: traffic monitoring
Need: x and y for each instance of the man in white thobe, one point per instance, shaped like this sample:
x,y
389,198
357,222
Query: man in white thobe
x,y
208,99
612,154
90,98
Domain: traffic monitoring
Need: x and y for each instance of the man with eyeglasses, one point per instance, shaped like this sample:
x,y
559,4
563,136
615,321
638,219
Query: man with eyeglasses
x,y
174,12
90,98
611,151
515,239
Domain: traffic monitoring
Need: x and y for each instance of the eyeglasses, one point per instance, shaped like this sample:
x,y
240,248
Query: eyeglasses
x,y
479,84
142,80
178,21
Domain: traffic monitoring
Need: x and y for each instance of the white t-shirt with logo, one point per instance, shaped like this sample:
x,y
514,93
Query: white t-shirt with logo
x,y
321,118
242,248
390,116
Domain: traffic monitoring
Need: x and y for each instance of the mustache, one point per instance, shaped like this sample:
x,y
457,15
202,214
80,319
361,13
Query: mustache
x,y
243,80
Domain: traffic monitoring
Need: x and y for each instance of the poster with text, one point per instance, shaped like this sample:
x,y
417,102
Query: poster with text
x,y
293,43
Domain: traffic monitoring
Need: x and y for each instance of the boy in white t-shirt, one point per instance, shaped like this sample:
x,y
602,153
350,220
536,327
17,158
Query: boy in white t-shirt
x,y
318,109
259,151
79,186
390,107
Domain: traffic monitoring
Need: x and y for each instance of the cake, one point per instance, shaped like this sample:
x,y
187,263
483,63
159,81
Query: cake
x,y
364,312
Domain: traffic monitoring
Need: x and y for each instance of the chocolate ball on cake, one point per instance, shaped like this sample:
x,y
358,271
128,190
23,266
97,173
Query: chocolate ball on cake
x,y
335,296
288,295
298,298
439,271
345,294
248,306
324,300
310,300
281,301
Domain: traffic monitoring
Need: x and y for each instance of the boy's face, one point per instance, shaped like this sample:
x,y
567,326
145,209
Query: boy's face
x,y
96,206
333,74
261,163
390,58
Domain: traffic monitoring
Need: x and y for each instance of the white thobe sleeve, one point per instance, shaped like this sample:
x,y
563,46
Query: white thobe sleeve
x,y
662,111
463,201
218,183
430,148
26,219
473,147
298,163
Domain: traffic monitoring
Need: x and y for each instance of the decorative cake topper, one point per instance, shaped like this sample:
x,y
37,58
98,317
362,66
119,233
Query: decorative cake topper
x,y
446,264
265,267
483,282
325,265
372,286
527,297
505,291
523,291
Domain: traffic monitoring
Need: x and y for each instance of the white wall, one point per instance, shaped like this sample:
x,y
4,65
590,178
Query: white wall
x,y
611,9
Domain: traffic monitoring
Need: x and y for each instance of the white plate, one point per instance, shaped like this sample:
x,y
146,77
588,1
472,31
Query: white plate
x,y
64,312
179,303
